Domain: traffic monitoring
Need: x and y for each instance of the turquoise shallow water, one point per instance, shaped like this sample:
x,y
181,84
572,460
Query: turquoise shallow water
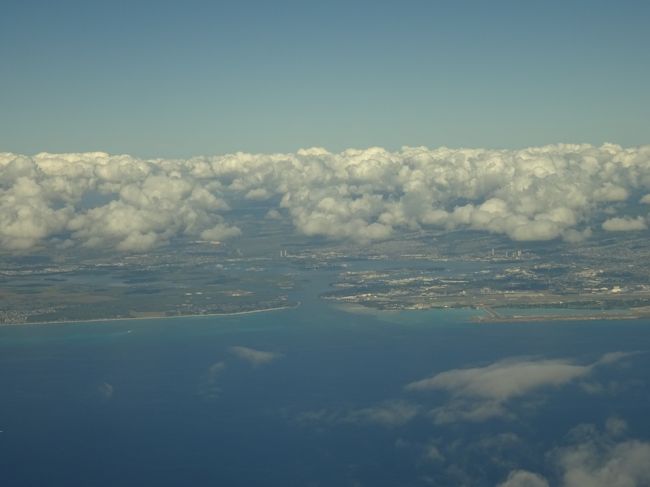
x,y
171,402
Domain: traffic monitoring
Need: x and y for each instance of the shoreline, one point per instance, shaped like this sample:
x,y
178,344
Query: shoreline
x,y
143,318
492,316
538,318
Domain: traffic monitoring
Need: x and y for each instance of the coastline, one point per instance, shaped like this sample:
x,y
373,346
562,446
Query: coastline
x,y
492,316
538,318
143,318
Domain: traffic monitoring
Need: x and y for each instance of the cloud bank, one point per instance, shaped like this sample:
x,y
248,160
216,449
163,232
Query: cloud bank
x,y
123,203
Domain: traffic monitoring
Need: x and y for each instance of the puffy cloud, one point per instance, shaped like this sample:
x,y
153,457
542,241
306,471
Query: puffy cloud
x,y
611,192
220,231
597,460
273,214
151,211
26,218
624,224
390,413
257,194
626,464
645,199
538,193
254,357
481,393
522,478
593,459
136,204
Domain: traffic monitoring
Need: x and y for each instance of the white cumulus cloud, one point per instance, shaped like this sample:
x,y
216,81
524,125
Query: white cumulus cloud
x,y
125,203
593,459
522,478
624,224
601,460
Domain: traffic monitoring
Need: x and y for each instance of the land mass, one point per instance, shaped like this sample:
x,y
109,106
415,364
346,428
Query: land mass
x,y
604,278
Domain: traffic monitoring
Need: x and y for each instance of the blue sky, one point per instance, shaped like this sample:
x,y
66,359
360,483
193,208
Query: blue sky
x,y
174,79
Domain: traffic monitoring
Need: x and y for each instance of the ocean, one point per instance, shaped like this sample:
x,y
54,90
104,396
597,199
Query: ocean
x,y
312,396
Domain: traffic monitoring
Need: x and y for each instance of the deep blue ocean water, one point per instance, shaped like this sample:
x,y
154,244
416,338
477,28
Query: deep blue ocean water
x,y
167,402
